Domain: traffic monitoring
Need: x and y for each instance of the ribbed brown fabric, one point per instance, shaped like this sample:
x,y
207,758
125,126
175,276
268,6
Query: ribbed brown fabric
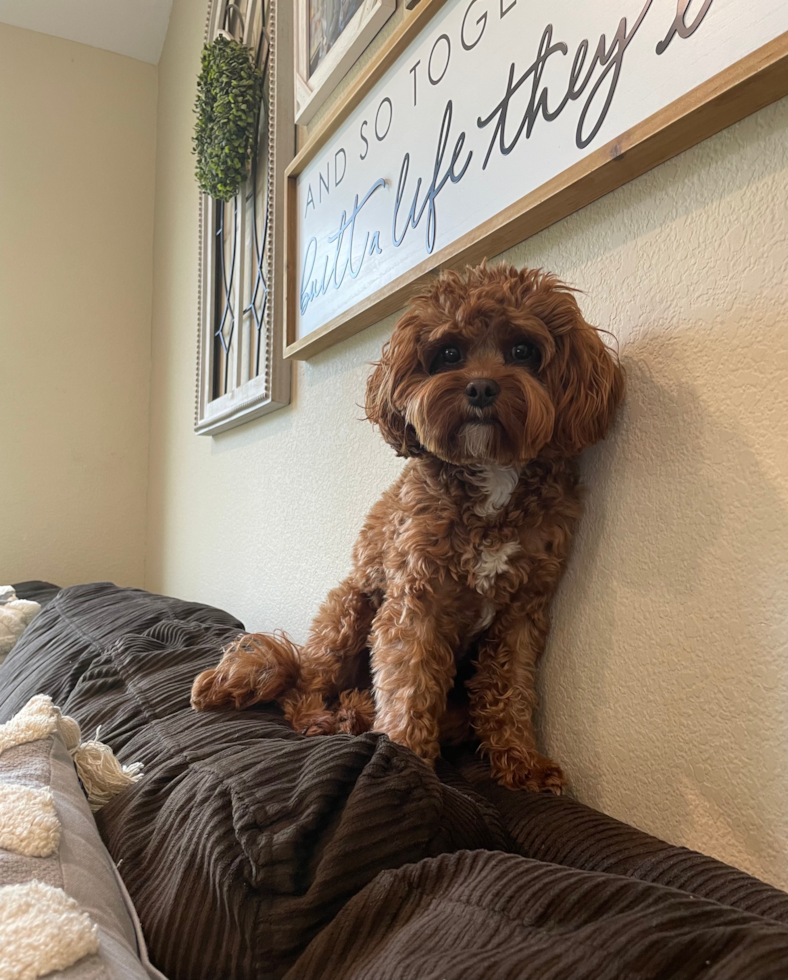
x,y
491,915
563,831
245,839
245,843
65,638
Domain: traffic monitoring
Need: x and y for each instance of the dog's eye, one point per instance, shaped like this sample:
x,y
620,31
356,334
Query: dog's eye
x,y
445,357
449,355
524,353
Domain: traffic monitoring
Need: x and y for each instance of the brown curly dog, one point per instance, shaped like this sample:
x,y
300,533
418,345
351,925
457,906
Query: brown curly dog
x,y
492,385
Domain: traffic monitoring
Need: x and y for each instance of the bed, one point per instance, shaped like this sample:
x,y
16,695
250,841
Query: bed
x,y
250,851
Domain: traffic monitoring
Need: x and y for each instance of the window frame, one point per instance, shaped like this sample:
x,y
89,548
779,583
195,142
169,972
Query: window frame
x,y
249,396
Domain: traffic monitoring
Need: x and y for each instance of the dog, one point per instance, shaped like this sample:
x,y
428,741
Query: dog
x,y
491,386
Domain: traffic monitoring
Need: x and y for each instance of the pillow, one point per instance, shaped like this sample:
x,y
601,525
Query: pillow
x,y
64,908
16,614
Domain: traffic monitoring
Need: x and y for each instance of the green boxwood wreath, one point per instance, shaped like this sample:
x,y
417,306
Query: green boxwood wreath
x,y
229,91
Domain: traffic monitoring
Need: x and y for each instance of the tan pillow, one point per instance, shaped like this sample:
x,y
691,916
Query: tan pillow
x,y
69,856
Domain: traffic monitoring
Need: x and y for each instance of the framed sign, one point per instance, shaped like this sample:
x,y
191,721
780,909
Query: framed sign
x,y
329,37
484,121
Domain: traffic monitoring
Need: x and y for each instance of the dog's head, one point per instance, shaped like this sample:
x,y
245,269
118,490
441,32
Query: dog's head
x,y
494,364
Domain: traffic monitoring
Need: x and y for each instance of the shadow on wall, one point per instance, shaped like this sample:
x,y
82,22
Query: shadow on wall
x,y
665,685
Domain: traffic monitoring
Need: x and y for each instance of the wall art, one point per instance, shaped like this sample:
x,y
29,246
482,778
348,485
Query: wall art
x,y
481,122
329,37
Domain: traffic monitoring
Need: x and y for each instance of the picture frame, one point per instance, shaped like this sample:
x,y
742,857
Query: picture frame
x,y
316,77
241,373
717,99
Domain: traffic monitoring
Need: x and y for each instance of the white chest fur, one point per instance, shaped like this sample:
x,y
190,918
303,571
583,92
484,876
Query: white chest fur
x,y
497,483
491,563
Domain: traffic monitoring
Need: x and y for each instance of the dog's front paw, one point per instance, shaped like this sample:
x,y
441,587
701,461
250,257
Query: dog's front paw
x,y
208,693
319,725
309,715
320,722
516,769
356,712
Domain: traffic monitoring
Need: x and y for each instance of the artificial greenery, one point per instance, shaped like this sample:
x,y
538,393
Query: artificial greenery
x,y
229,91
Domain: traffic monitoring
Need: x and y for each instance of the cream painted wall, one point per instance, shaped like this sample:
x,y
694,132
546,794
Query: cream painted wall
x,y
77,157
666,681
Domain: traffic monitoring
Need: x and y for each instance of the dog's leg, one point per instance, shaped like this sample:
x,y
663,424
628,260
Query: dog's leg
x,y
338,636
339,633
503,700
269,667
413,643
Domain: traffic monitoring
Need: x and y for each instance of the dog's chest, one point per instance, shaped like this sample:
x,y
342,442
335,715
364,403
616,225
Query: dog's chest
x,y
492,562
493,554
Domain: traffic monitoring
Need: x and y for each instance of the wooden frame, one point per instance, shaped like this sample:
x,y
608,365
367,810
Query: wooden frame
x,y
269,390
311,91
750,84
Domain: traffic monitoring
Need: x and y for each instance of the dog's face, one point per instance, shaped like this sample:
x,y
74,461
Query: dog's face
x,y
494,365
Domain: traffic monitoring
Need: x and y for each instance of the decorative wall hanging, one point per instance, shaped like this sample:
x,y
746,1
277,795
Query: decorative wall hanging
x,y
329,37
243,149
229,93
482,122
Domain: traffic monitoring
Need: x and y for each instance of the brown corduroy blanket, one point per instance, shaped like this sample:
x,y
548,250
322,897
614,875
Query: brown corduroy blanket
x,y
251,852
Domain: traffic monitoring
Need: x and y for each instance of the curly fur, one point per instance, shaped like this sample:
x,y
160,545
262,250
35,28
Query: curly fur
x,y
460,558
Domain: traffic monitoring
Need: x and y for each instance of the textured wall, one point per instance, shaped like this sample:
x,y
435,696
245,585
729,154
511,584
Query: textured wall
x,y
77,155
666,681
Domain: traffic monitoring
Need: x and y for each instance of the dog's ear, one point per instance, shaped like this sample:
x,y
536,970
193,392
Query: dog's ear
x,y
584,375
398,362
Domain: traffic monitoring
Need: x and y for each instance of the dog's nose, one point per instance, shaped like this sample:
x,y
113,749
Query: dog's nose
x,y
482,391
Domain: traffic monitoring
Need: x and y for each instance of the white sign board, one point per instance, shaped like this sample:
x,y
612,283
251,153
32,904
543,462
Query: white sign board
x,y
492,100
